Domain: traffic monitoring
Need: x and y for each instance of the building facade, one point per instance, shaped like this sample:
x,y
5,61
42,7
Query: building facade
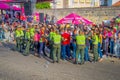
x,y
76,3
108,2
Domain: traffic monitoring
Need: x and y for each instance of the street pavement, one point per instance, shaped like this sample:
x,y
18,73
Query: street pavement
x,y
15,66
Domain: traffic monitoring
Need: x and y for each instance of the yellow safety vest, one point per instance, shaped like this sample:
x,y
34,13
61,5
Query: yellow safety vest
x,y
80,40
95,39
57,39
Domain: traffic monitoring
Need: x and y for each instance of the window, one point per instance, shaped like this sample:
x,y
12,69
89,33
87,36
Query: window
x,y
82,1
88,1
58,2
43,0
75,1
105,2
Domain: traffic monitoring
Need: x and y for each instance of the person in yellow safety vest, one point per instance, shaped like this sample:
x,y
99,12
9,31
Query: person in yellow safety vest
x,y
17,38
95,40
21,38
27,40
80,41
32,32
56,47
52,33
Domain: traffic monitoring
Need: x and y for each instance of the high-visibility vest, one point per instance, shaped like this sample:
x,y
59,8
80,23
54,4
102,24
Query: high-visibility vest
x,y
32,31
80,39
57,39
95,39
51,35
21,33
27,35
17,33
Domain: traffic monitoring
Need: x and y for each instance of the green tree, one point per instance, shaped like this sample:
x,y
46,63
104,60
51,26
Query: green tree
x,y
43,5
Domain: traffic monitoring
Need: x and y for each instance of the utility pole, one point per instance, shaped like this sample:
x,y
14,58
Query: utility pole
x,y
54,6
54,12
33,5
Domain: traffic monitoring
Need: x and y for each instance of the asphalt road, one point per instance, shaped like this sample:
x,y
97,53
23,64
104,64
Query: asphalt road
x,y
15,66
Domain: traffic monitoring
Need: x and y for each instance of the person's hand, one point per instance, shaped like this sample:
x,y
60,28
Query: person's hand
x,y
65,39
89,38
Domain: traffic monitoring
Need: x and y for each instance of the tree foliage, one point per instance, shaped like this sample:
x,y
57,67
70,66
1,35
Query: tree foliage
x,y
43,5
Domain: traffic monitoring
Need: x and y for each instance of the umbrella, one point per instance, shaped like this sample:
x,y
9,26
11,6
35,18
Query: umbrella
x,y
16,8
6,0
4,6
74,19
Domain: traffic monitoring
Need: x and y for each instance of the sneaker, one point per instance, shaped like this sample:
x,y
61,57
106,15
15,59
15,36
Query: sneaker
x,y
53,62
119,58
45,54
36,54
64,60
90,60
58,61
82,63
75,62
101,60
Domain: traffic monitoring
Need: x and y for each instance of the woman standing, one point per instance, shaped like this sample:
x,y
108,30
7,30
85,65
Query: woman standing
x,y
100,46
36,42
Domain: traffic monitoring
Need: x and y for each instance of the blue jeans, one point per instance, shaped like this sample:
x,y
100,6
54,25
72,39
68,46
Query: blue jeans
x,y
111,47
74,50
105,47
1,35
65,51
99,50
42,47
91,45
86,55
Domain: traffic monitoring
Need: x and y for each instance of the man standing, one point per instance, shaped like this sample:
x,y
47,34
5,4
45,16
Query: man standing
x,y
95,46
118,46
21,38
27,42
56,46
32,32
80,41
87,57
52,33
1,33
42,42
65,45
17,38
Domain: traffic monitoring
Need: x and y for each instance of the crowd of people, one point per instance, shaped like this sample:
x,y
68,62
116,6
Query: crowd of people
x,y
66,41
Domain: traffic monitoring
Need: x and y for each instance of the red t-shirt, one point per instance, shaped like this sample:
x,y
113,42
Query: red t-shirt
x,y
66,38
42,33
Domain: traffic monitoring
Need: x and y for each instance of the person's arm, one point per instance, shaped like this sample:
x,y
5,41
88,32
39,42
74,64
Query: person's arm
x,y
115,38
100,38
